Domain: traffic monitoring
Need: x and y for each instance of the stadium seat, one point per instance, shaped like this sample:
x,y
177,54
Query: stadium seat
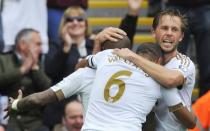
x,y
115,21
111,4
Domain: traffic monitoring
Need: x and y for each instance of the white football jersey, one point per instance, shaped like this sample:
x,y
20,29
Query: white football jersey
x,y
80,82
122,95
166,121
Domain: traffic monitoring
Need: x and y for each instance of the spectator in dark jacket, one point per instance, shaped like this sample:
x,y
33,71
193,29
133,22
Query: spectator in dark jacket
x,y
20,69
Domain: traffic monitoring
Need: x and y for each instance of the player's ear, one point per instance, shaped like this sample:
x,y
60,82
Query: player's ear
x,y
182,36
153,33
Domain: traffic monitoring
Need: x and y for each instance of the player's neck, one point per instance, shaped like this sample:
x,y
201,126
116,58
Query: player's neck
x,y
169,56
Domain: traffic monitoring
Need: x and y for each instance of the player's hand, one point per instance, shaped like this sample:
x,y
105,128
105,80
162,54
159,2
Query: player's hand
x,y
11,107
110,33
124,53
134,5
81,64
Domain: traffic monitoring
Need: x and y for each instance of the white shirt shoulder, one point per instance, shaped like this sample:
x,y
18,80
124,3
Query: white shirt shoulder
x,y
80,82
183,64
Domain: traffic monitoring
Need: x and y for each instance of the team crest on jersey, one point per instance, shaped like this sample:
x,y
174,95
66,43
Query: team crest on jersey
x,y
183,68
185,62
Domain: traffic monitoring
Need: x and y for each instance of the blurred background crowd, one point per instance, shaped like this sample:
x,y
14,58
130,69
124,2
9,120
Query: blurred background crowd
x,y
41,41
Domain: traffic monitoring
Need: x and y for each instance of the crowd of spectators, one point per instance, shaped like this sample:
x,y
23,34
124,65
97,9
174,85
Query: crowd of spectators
x,y
31,60
41,41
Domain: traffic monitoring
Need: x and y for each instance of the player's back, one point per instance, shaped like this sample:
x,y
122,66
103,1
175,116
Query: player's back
x,y
121,97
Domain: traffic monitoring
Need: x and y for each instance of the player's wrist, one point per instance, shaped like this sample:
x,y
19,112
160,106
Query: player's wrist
x,y
14,104
132,56
89,59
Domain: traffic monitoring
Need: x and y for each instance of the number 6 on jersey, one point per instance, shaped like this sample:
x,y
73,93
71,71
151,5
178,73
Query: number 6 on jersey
x,y
114,81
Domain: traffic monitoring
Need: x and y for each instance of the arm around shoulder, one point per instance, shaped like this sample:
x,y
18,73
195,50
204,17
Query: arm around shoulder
x,y
167,77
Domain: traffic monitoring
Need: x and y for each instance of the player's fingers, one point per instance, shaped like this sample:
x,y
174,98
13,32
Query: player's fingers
x,y
117,30
6,109
116,35
111,38
11,99
20,94
7,115
7,112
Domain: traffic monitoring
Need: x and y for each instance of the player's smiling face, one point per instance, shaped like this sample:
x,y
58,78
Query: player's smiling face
x,y
168,33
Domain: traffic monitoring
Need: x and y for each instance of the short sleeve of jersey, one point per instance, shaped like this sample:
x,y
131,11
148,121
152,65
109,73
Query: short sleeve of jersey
x,y
170,96
71,84
183,64
94,60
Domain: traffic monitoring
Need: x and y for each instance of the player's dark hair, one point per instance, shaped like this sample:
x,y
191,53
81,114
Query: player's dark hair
x,y
152,50
170,12
121,43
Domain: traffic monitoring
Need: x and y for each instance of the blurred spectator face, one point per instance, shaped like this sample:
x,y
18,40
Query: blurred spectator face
x,y
35,44
74,18
32,44
73,119
168,33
